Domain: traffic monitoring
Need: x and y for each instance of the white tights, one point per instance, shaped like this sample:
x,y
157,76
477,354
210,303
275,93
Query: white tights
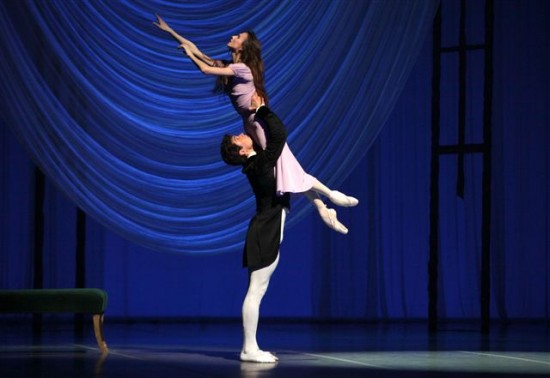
x,y
259,281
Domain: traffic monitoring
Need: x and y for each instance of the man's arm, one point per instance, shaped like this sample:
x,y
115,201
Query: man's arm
x,y
275,133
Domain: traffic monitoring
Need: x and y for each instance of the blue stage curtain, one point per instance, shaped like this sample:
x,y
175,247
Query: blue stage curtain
x,y
378,270
125,125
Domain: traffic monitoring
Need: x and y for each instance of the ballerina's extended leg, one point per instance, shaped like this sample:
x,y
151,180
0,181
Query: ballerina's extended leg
x,y
328,216
341,199
334,196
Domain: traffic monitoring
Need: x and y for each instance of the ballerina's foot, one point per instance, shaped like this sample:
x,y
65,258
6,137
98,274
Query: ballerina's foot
x,y
341,199
259,356
331,220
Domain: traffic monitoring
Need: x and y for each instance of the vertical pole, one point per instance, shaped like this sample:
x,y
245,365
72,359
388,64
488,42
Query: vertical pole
x,y
39,194
486,186
434,178
461,99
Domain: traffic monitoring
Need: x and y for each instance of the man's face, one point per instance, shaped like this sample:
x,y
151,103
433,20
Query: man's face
x,y
243,141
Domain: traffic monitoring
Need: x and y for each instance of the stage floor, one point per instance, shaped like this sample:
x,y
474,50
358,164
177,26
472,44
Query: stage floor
x,y
211,349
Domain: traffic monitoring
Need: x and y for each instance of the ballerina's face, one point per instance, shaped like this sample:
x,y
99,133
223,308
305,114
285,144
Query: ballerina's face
x,y
236,41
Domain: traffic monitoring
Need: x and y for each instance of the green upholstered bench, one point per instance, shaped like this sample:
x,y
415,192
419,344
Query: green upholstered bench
x,y
82,301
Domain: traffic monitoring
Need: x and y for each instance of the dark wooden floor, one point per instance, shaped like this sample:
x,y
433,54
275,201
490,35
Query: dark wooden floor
x,y
211,349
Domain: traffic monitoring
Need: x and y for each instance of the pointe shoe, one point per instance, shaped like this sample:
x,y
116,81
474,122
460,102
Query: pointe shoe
x,y
329,217
258,356
341,199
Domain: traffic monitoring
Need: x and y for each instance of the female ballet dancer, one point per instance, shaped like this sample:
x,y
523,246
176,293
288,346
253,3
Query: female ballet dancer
x,y
240,79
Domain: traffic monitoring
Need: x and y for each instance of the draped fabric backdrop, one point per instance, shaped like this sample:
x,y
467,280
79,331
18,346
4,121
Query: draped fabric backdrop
x,y
130,129
127,129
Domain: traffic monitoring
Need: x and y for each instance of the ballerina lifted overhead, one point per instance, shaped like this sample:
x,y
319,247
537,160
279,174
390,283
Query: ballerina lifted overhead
x,y
240,78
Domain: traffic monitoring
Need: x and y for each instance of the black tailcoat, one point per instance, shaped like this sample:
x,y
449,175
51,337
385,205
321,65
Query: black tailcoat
x,y
264,231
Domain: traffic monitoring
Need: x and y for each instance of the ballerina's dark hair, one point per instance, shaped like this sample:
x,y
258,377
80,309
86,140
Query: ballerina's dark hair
x,y
251,55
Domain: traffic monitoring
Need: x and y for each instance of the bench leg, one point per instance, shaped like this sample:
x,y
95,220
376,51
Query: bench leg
x,y
98,329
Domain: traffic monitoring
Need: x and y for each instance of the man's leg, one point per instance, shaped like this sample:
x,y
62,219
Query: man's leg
x,y
259,281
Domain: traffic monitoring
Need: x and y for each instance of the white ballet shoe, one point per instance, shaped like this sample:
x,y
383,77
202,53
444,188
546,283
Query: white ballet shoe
x,y
273,355
341,199
259,356
329,217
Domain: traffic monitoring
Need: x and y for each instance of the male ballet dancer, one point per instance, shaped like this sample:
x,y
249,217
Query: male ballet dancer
x,y
265,231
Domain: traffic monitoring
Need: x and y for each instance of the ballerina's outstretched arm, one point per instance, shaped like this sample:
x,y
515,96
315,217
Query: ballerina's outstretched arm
x,y
206,68
162,25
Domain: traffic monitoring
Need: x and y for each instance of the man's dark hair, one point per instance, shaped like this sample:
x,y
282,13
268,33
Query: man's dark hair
x,y
230,151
